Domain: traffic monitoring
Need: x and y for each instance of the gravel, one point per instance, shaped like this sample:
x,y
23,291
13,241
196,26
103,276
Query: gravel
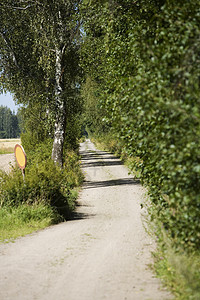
x,y
6,161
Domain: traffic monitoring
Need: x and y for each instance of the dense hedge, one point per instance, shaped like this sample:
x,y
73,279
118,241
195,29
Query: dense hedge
x,y
144,57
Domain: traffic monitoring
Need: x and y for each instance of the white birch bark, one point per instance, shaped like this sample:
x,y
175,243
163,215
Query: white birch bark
x,y
59,133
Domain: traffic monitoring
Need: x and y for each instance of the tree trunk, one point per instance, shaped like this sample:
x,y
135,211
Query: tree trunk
x,y
59,133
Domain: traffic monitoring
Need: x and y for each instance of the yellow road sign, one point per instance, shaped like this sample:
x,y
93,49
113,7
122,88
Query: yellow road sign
x,y
20,156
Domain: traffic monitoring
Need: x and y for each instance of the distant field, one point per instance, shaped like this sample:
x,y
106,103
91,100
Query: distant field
x,y
8,145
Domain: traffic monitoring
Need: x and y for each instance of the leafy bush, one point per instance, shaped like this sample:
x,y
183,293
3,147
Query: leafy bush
x,y
146,62
108,141
44,182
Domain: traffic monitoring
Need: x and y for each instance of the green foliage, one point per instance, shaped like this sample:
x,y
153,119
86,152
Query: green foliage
x,y
108,141
44,182
180,272
145,59
24,219
9,124
92,112
39,65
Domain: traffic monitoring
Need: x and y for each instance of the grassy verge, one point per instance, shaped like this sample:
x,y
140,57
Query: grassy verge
x,y
7,151
18,221
25,219
47,196
7,145
179,270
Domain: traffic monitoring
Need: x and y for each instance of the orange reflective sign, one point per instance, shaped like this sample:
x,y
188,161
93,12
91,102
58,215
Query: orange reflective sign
x,y
20,156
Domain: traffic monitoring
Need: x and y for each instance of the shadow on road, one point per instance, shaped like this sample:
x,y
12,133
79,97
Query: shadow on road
x,y
96,155
80,216
106,183
101,163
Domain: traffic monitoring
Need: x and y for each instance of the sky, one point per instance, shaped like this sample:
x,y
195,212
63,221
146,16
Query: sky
x,y
7,100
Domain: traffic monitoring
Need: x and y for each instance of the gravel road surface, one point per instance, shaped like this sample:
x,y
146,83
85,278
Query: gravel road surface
x,y
6,160
102,253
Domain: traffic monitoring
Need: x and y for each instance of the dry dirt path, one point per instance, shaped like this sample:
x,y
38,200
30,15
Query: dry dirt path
x,y
103,253
6,160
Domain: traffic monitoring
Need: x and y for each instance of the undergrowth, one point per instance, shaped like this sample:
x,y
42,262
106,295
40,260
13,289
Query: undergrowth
x,y
178,270
47,195
25,219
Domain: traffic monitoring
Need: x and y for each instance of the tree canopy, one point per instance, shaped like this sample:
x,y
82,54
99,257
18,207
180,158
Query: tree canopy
x,y
143,57
9,123
39,59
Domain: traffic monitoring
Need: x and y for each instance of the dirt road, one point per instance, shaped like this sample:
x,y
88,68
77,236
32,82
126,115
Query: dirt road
x,y
6,160
103,253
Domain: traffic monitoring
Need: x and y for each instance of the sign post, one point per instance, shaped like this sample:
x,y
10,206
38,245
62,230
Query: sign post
x,y
21,158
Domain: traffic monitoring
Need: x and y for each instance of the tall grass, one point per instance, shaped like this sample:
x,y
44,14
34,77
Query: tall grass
x,y
25,219
179,271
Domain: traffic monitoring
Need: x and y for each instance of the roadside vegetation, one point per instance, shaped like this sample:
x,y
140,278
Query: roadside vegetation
x,y
47,196
128,74
17,221
9,123
7,146
178,268
39,56
142,102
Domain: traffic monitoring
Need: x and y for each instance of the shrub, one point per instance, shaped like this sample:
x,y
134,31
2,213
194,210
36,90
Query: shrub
x,y
44,182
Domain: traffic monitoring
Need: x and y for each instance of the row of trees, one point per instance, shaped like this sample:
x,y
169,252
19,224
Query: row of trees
x,y
139,75
39,64
143,60
9,123
39,44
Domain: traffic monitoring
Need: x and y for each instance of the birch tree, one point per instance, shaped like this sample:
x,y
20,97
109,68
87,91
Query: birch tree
x,y
39,57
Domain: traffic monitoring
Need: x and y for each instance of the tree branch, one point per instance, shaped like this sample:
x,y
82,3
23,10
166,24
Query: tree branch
x,y
10,48
20,8
75,31
33,3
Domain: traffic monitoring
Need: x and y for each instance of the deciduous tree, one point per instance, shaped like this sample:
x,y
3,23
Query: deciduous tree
x,y
39,57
